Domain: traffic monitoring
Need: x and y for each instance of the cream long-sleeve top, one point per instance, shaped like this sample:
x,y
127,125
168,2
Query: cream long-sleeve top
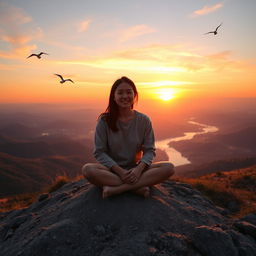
x,y
133,142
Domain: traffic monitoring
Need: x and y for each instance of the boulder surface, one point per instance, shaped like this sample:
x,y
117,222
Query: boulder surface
x,y
175,220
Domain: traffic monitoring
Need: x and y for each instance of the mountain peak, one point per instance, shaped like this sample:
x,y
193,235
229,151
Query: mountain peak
x,y
75,220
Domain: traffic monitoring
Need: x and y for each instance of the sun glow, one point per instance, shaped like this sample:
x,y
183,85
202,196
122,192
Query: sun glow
x,y
166,94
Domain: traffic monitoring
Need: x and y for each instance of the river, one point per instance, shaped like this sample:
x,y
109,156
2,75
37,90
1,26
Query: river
x,y
173,155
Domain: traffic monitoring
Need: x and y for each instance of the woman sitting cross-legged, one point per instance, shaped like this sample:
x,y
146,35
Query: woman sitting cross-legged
x,y
125,147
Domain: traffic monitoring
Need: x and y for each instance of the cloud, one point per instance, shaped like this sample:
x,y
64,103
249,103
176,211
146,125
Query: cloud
x,y
17,31
16,40
221,55
19,44
19,52
135,31
223,61
153,59
10,14
165,60
207,9
156,52
164,83
83,25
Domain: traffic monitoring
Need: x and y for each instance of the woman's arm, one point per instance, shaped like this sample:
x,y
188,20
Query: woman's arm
x,y
148,146
100,145
101,155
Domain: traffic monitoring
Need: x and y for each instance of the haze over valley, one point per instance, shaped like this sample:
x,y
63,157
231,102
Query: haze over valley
x,y
38,142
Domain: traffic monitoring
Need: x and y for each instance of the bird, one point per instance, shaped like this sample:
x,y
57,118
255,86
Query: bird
x,y
215,31
37,55
62,79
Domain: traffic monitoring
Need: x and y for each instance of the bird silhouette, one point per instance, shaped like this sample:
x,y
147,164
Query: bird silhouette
x,y
62,79
37,55
215,31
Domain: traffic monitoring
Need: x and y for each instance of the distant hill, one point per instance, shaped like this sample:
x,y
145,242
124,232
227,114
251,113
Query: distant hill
x,y
57,127
45,147
244,138
62,126
213,147
20,131
7,139
27,149
29,161
215,166
23,118
242,178
233,190
20,175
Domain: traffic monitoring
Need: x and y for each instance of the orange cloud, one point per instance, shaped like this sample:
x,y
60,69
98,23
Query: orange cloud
x,y
135,31
83,25
20,44
156,52
207,9
157,59
16,40
15,34
19,50
10,14
170,66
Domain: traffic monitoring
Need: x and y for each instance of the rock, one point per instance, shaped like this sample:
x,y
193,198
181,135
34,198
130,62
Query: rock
x,y
244,244
15,223
212,241
169,242
43,197
233,206
246,228
251,218
176,220
222,211
8,234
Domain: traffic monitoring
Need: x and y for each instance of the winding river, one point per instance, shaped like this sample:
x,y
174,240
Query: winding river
x,y
173,155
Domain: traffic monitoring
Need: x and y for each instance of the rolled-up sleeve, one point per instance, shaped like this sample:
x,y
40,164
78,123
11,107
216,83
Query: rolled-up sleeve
x,y
148,146
101,145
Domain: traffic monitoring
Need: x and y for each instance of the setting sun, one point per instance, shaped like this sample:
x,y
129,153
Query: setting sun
x,y
166,94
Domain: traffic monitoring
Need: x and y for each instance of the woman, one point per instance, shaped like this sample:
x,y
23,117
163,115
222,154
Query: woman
x,y
125,147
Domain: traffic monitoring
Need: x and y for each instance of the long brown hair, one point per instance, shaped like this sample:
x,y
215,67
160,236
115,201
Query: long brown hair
x,y
111,112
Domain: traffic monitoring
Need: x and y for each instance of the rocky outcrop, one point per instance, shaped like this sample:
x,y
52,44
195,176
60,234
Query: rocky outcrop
x,y
176,220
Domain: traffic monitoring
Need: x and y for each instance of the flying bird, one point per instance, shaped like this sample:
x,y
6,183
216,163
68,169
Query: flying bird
x,y
215,31
37,55
62,79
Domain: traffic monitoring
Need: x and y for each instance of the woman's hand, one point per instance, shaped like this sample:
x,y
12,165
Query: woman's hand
x,y
129,176
134,175
137,172
125,176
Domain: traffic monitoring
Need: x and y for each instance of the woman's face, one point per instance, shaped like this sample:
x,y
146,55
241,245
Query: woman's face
x,y
124,95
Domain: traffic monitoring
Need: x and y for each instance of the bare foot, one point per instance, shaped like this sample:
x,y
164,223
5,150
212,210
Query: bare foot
x,y
144,191
108,191
114,190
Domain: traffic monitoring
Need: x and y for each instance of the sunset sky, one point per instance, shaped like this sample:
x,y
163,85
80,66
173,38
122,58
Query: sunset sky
x,y
159,44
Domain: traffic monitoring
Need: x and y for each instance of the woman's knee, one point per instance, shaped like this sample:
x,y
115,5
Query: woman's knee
x,y
168,168
87,170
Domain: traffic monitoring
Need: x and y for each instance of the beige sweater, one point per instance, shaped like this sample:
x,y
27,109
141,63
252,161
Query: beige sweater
x,y
124,146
